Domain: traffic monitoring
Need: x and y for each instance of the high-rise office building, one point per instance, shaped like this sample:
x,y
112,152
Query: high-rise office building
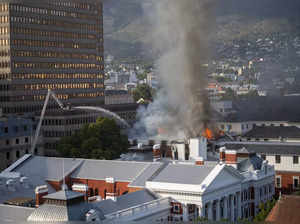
x,y
50,44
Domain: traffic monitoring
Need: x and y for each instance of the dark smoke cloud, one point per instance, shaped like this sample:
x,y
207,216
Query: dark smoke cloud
x,y
182,33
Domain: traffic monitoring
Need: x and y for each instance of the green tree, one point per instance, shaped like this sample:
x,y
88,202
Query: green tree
x,y
229,94
143,91
100,140
142,76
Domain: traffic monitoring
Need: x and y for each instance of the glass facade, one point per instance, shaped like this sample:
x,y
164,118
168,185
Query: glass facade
x,y
56,44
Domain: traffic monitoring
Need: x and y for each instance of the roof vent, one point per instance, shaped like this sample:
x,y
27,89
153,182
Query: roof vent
x,y
24,181
140,145
92,216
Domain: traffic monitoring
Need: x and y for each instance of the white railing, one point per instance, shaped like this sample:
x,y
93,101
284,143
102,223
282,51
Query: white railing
x,y
139,208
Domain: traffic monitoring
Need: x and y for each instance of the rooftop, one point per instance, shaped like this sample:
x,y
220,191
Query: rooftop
x,y
283,148
64,195
183,174
286,210
273,132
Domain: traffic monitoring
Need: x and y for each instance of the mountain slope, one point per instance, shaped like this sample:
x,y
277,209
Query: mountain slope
x,y
127,33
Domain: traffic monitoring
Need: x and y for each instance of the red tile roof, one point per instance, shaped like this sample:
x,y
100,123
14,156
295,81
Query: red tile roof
x,y
286,210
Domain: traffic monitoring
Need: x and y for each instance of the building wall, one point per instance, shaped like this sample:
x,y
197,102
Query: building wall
x,y
58,125
235,127
286,163
16,136
287,181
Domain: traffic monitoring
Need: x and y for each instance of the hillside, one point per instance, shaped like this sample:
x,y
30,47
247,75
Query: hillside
x,y
127,33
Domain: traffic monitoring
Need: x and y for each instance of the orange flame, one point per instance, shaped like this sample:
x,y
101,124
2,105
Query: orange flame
x,y
208,134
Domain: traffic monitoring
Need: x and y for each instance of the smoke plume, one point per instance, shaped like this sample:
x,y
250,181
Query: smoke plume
x,y
181,37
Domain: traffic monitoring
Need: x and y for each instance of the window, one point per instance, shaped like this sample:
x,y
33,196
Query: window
x,y
6,129
176,208
295,182
263,156
278,181
8,155
35,151
17,141
18,154
7,142
277,159
26,140
295,159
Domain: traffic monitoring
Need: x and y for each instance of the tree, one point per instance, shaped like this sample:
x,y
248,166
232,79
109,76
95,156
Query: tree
x,y
142,76
101,140
143,91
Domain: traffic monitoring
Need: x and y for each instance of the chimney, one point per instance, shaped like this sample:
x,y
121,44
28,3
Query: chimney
x,y
156,152
198,148
222,154
151,142
199,161
111,192
82,188
40,192
231,157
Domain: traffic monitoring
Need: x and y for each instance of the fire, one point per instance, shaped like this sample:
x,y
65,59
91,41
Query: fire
x,y
208,134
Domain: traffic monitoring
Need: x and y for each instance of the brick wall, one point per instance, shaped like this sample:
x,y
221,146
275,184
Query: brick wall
x,y
287,181
101,186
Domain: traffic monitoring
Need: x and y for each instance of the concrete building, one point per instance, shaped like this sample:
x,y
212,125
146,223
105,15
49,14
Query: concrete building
x,y
55,45
16,136
118,97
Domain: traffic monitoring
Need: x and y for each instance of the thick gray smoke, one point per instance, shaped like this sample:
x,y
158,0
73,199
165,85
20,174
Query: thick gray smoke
x,y
181,36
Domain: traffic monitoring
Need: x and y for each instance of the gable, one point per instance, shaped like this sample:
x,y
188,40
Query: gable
x,y
222,179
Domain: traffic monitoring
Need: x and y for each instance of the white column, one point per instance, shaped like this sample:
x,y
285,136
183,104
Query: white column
x,y
218,210
201,210
239,205
232,207
210,213
225,212
185,212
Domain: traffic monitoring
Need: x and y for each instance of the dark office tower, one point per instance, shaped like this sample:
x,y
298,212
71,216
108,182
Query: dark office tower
x,y
55,44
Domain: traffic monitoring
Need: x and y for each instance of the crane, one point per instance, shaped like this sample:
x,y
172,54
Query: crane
x,y
69,108
38,129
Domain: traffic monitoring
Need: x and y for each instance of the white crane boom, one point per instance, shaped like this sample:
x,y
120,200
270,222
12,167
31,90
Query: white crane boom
x,y
38,129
